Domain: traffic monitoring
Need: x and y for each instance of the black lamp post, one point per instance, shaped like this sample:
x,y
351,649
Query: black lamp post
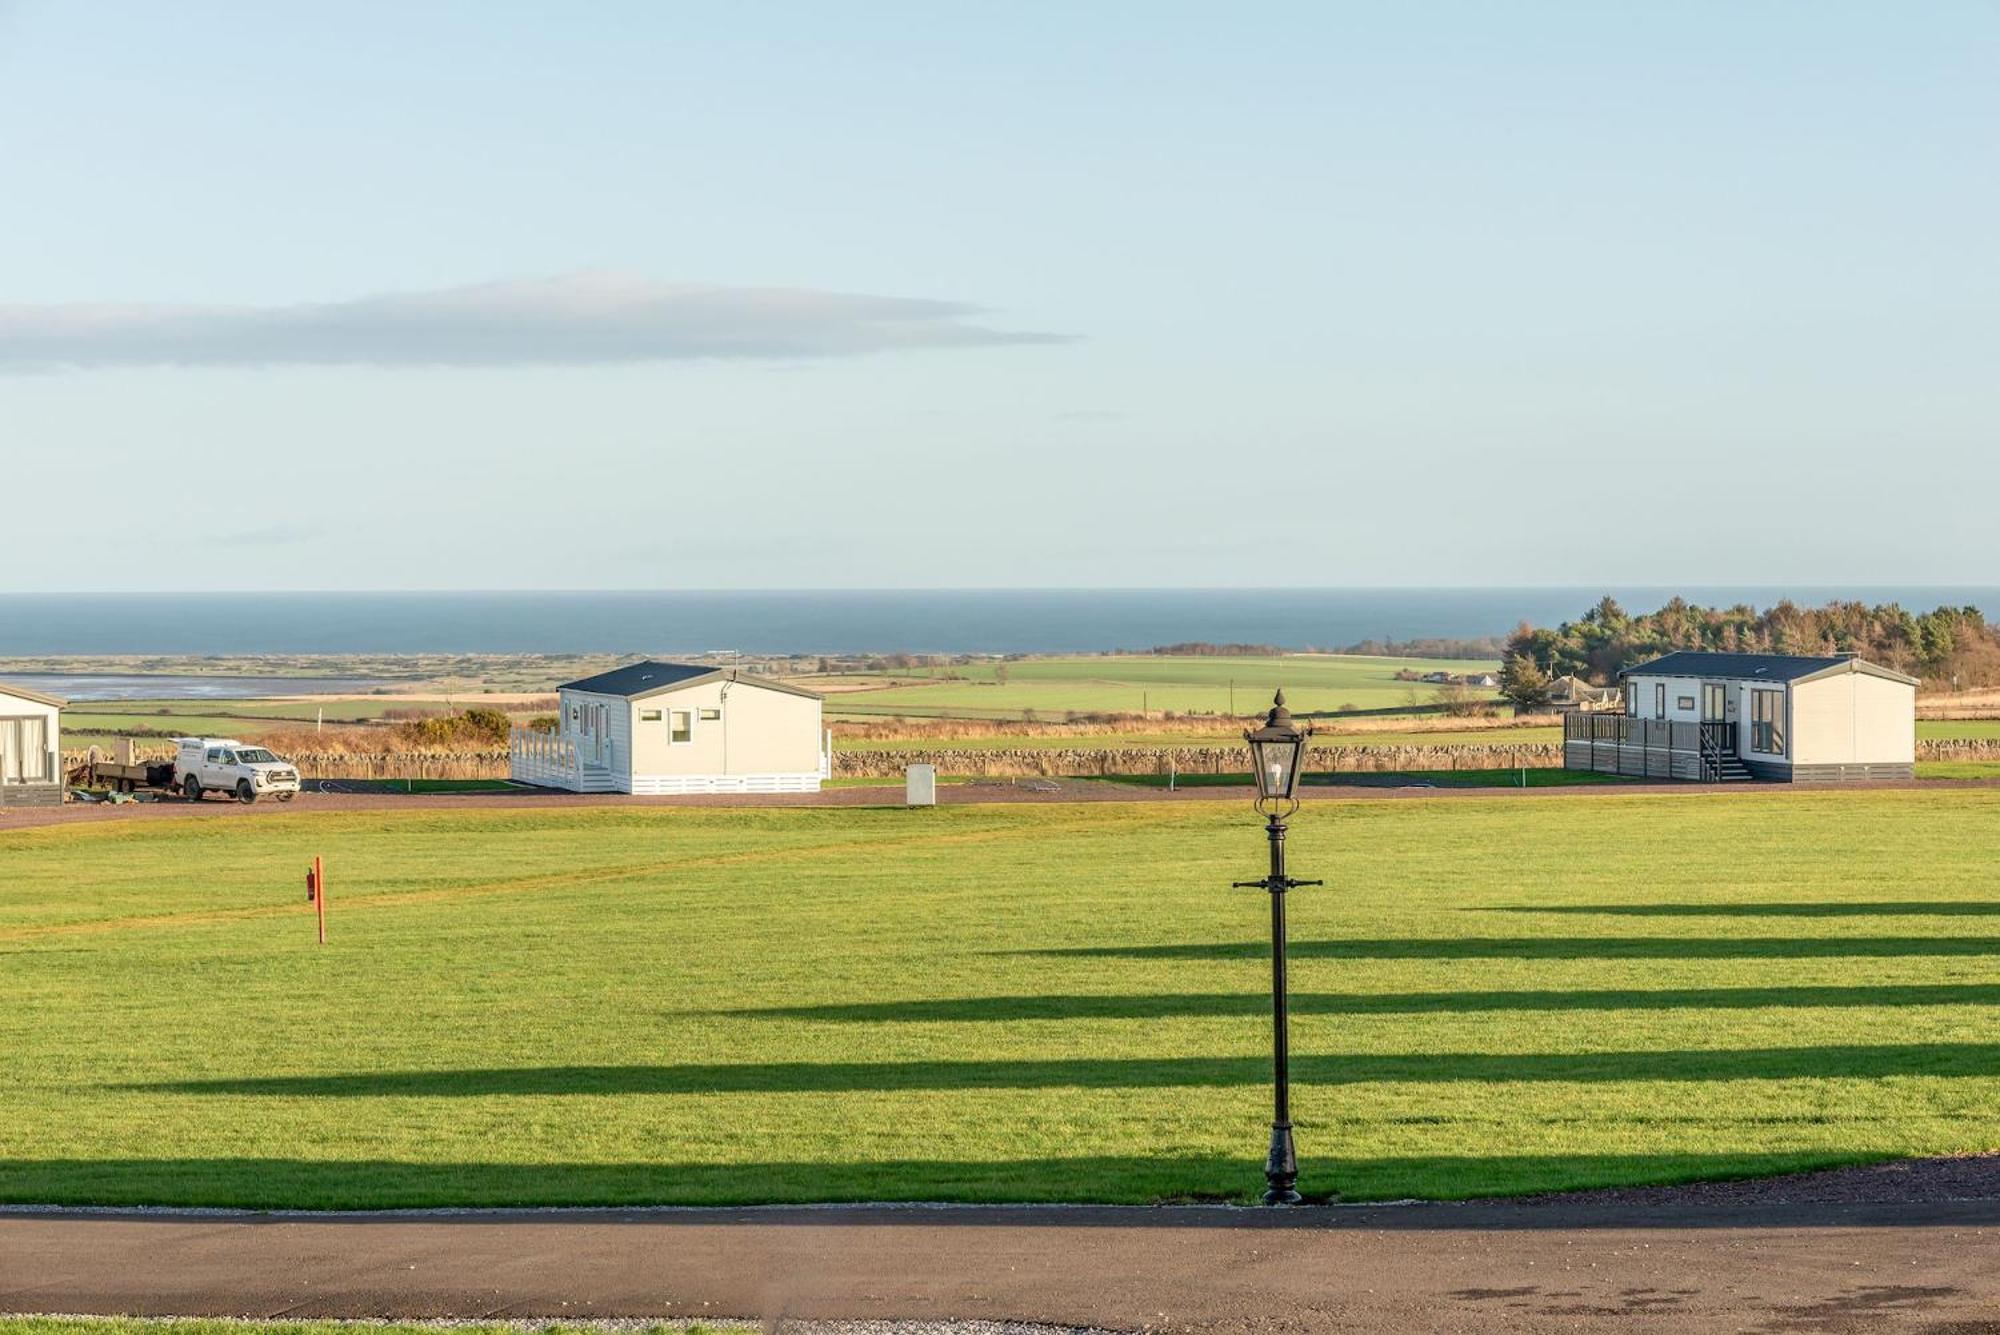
x,y
1277,753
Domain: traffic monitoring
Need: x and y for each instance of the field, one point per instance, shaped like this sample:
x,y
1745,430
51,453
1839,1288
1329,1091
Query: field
x,y
991,1002
97,721
1143,683
1230,734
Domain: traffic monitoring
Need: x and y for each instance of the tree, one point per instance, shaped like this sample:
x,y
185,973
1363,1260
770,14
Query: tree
x,y
1523,681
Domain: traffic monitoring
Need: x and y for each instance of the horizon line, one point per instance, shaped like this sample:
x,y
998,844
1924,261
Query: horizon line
x,y
1603,586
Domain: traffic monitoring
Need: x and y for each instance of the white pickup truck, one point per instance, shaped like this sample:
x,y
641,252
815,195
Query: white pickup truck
x,y
218,765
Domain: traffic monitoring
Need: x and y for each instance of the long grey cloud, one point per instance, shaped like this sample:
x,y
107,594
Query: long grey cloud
x,y
579,320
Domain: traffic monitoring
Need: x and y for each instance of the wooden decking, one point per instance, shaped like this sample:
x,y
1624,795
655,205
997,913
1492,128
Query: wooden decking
x,y
1645,748
549,760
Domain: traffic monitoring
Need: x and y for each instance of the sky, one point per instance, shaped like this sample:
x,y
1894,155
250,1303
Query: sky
x,y
490,295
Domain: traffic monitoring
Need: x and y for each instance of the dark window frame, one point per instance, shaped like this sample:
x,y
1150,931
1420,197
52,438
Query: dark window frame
x,y
1767,721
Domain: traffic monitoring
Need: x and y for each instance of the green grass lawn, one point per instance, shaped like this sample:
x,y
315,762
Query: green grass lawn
x,y
603,1005
1129,684
1972,728
1958,769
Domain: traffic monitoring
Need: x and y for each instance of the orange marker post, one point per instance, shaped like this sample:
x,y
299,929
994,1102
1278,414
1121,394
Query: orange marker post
x,y
319,895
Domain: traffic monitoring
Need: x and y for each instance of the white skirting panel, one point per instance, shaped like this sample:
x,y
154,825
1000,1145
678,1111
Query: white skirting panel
x,y
672,785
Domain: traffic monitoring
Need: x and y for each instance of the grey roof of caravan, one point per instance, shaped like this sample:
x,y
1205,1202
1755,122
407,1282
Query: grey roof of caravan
x,y
39,697
1758,667
650,677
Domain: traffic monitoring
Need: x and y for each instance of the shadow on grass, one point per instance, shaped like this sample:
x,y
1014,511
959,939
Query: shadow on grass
x,y
1170,1005
374,1184
1881,908
1550,948
1852,1061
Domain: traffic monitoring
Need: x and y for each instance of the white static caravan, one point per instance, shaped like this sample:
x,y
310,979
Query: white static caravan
x,y
1782,717
30,748
667,728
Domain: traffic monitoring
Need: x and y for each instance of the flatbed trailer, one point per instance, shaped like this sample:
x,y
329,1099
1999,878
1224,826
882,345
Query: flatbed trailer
x,y
129,778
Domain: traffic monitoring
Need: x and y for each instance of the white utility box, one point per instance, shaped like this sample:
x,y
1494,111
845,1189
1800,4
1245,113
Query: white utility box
x,y
920,786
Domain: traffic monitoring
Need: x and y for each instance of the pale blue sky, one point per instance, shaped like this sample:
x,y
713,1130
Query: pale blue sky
x,y
1533,293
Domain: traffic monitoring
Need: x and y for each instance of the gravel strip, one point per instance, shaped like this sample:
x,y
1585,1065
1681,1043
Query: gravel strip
x,y
605,1326
952,794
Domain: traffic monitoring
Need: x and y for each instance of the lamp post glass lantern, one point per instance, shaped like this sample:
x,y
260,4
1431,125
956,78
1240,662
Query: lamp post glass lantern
x,y
1277,753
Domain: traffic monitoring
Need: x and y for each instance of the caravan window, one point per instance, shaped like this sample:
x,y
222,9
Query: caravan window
x,y
1659,699
683,726
1767,722
24,750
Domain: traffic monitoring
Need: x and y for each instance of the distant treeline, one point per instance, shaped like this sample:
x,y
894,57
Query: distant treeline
x,y
1484,647
1944,646
1203,649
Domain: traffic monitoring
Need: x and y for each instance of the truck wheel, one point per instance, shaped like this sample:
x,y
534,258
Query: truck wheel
x,y
244,792
191,790
286,797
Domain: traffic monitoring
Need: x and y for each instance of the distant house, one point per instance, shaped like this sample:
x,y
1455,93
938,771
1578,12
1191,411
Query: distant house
x,y
1486,679
677,728
1572,692
1784,717
30,748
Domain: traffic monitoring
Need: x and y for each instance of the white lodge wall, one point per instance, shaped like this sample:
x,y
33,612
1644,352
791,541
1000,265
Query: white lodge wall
x,y
1823,721
760,731
1678,689
1885,720
1854,718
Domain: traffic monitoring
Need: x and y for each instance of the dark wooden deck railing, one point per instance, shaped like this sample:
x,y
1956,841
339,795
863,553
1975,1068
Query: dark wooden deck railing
x,y
1659,748
1718,741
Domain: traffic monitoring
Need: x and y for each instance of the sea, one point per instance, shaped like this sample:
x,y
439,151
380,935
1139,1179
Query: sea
x,y
844,621
98,687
